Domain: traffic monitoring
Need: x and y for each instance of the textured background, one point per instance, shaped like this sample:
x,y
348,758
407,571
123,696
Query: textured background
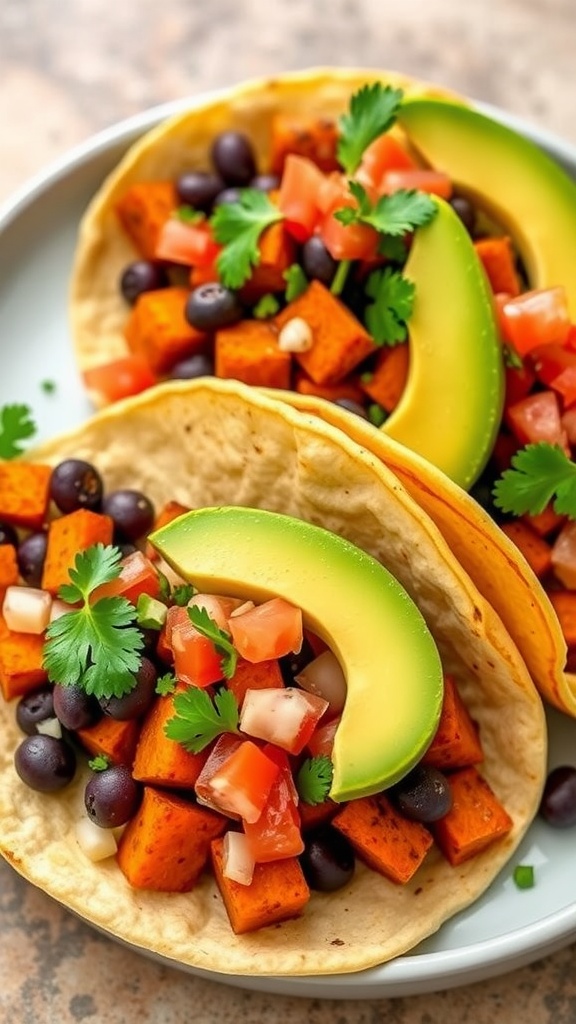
x,y
71,67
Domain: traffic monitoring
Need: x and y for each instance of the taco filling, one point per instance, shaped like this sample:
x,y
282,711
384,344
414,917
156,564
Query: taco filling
x,y
191,755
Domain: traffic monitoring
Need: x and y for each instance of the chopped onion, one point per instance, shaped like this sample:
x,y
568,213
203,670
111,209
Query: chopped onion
x,y
246,606
237,860
564,556
296,336
97,843
59,608
213,606
50,727
26,609
325,678
282,715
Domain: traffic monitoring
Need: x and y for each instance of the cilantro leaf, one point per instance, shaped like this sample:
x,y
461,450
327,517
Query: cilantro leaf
x,y
165,684
314,779
372,111
181,594
237,227
198,720
296,282
386,316
189,214
95,646
541,473
266,306
99,763
16,425
200,618
395,214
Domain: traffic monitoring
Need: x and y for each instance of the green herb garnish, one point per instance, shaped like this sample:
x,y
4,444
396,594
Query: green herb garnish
x,y
314,779
199,720
95,646
200,618
395,214
189,215
267,306
16,426
99,763
541,473
165,684
237,227
182,593
524,876
372,111
296,282
393,300
376,414
48,386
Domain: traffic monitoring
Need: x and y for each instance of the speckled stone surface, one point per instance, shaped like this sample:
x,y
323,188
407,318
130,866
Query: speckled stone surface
x,y
71,67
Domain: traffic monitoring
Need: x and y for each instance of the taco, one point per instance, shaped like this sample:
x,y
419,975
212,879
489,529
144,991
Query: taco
x,y
216,443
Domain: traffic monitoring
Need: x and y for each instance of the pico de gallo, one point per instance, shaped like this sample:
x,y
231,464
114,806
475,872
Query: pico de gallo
x,y
199,726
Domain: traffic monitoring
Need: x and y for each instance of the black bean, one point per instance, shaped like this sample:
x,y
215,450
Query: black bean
x,y
44,763
76,484
328,860
131,511
211,306
424,794
142,276
233,157
558,804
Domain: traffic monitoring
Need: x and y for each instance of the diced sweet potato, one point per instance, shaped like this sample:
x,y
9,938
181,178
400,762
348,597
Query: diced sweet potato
x,y
312,815
9,571
66,537
564,604
476,819
546,522
116,740
313,137
277,253
24,493
340,341
248,351
166,515
387,380
349,389
278,891
160,761
456,743
142,210
157,329
166,846
258,676
497,257
21,662
536,551
383,838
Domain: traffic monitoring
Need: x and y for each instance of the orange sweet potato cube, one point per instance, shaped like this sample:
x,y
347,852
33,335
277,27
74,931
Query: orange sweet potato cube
x,y
277,252
158,330
497,257
9,572
166,845
112,738
386,382
278,891
248,351
476,819
536,551
68,535
160,761
24,493
21,662
456,743
564,604
385,840
348,388
143,209
313,137
340,341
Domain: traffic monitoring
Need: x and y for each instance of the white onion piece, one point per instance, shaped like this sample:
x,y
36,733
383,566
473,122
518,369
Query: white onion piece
x,y
213,606
50,727
59,608
564,556
237,860
97,843
278,714
26,609
325,678
246,606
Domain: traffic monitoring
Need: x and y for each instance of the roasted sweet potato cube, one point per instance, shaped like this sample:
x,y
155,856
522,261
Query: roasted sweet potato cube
x,y
160,761
383,838
254,676
143,209
9,572
536,551
313,137
476,819
116,740
24,493
21,662
278,891
497,257
66,537
340,341
348,388
456,743
312,815
248,351
564,604
277,253
157,329
386,382
166,845
546,522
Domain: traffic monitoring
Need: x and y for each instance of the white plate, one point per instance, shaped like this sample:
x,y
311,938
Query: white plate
x,y
506,928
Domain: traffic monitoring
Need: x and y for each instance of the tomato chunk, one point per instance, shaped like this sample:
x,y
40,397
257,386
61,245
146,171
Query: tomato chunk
x,y
189,244
298,196
268,631
564,556
286,717
138,575
386,153
537,317
436,182
118,379
276,835
196,660
240,783
537,418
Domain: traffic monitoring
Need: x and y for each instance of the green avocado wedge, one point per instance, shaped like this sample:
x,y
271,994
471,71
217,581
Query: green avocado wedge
x,y
451,407
391,663
510,177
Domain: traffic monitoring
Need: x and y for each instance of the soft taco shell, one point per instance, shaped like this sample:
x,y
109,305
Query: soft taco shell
x,y
211,443
97,310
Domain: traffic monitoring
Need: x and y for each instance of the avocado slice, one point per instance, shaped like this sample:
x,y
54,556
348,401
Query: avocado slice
x,y
389,657
451,406
515,181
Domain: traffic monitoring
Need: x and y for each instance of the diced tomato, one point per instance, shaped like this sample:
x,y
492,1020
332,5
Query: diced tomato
x,y
322,739
564,556
571,338
505,446
435,182
196,660
190,244
348,241
298,196
286,717
270,630
537,418
538,317
565,385
386,153
121,378
138,575
276,834
519,383
548,361
237,780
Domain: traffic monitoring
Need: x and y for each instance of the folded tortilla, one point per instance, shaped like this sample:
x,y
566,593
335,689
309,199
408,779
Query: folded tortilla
x,y
213,442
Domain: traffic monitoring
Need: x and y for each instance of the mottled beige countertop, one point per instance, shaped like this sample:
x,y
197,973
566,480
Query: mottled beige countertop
x,y
71,67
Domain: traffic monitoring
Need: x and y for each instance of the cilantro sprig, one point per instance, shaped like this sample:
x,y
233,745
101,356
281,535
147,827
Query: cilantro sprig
x,y
314,779
393,300
16,426
237,227
201,620
96,645
372,111
199,719
395,213
541,473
